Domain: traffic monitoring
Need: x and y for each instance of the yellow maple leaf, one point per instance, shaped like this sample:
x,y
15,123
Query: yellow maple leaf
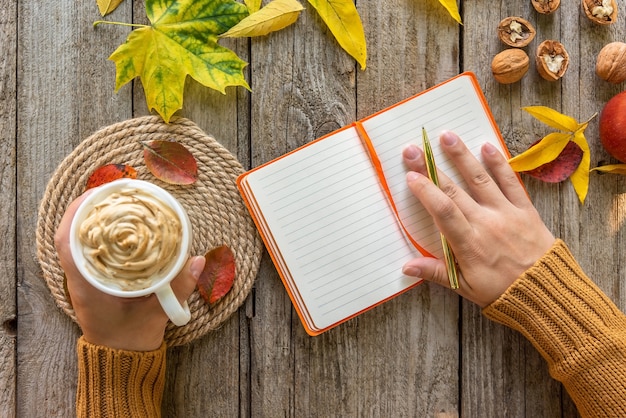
x,y
253,5
277,15
181,41
344,22
452,8
107,6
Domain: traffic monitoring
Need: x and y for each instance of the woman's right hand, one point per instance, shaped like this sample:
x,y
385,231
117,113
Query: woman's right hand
x,y
494,230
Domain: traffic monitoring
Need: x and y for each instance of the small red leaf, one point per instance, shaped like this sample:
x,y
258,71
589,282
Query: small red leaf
x,y
218,275
170,161
108,173
560,168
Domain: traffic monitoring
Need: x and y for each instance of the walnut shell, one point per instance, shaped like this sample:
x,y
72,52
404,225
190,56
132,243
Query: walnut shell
x,y
552,60
611,62
602,12
510,65
546,6
516,31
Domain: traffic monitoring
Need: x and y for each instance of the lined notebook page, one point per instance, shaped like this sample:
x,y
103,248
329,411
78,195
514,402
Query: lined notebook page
x,y
454,106
325,218
330,229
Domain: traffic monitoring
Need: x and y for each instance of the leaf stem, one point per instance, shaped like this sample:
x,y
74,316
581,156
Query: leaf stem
x,y
594,115
583,126
134,25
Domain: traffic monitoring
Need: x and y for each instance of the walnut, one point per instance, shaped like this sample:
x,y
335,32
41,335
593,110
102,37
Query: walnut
x,y
546,6
510,65
515,31
611,62
552,60
602,12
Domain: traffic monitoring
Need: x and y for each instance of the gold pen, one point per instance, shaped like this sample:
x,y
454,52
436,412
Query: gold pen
x,y
432,174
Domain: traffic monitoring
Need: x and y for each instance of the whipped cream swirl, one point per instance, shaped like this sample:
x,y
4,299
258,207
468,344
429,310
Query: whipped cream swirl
x,y
130,238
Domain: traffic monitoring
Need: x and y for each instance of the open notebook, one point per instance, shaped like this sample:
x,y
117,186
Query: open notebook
x,y
325,214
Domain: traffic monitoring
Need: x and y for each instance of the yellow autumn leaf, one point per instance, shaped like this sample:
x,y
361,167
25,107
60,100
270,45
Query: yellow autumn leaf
x,y
253,5
580,177
181,41
452,8
107,6
553,118
541,153
344,22
611,168
277,15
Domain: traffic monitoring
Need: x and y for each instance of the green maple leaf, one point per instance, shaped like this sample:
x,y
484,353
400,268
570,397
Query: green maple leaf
x,y
181,41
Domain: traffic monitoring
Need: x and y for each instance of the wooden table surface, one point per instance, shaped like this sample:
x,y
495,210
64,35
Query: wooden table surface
x,y
425,353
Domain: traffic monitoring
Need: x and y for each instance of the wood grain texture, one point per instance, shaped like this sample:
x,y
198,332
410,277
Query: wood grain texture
x,y
522,384
8,275
425,353
65,92
413,340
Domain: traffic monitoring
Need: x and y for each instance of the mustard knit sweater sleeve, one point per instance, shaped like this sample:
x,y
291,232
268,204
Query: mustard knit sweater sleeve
x,y
119,383
575,327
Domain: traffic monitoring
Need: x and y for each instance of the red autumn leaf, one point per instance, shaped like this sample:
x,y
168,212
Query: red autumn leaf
x,y
560,168
218,275
170,161
108,173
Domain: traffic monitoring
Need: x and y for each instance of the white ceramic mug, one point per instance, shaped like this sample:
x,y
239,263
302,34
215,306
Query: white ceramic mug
x,y
159,285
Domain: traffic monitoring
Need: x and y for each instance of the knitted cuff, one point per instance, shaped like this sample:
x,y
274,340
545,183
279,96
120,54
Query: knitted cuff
x,y
575,327
556,306
119,382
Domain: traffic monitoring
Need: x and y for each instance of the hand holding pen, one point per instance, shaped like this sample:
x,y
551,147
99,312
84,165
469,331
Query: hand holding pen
x,y
431,168
494,230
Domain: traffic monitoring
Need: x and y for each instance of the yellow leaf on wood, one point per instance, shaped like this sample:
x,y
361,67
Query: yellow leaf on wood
x,y
253,5
580,177
553,118
611,168
344,22
107,6
277,15
452,8
541,153
181,41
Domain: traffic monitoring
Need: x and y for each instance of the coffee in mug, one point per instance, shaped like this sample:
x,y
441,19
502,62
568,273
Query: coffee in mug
x,y
130,238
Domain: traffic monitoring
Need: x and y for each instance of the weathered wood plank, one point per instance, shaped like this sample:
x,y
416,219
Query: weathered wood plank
x,y
8,142
361,367
412,341
63,96
302,88
523,386
211,373
497,362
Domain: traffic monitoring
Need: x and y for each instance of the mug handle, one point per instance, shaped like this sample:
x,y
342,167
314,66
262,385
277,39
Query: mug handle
x,y
177,313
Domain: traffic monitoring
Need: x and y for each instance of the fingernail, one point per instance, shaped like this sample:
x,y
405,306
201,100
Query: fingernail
x,y
197,265
411,176
411,271
490,149
411,152
448,138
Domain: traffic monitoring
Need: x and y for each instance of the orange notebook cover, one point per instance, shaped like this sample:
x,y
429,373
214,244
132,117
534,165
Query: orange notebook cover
x,y
336,215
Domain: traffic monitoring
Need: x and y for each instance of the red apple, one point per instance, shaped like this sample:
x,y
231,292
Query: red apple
x,y
613,126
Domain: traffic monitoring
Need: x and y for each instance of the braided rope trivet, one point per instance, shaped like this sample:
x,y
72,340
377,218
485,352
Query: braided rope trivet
x,y
216,210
